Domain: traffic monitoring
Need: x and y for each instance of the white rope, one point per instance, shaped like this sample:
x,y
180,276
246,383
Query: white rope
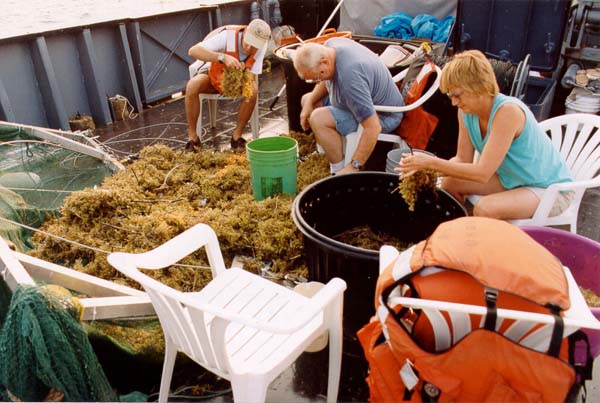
x,y
41,190
130,113
142,128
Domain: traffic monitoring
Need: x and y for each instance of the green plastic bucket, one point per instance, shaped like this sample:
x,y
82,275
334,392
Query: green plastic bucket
x,y
272,166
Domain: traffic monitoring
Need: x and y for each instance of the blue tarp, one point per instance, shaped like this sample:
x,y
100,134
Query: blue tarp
x,y
404,26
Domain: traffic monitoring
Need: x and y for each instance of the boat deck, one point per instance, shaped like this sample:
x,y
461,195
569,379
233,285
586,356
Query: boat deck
x,y
165,123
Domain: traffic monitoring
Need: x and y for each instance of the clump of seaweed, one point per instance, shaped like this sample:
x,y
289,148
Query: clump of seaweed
x,y
237,83
591,298
410,186
165,192
306,142
363,236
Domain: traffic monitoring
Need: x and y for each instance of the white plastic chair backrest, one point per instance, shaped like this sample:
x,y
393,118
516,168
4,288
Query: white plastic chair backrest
x,y
186,326
577,138
352,139
424,97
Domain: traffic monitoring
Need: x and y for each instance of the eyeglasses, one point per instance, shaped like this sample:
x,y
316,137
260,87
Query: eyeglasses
x,y
313,81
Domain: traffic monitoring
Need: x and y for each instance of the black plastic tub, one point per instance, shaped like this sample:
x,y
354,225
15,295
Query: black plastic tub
x,y
295,87
338,203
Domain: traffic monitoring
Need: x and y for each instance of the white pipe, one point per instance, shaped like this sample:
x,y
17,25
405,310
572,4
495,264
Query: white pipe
x,y
301,41
330,17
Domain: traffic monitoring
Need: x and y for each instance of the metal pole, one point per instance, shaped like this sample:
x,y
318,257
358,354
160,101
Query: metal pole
x,y
318,34
330,17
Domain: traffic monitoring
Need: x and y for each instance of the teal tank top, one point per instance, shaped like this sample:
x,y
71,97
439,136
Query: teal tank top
x,y
531,159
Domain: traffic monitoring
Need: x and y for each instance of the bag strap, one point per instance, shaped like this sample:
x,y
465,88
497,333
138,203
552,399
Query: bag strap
x,y
557,331
582,369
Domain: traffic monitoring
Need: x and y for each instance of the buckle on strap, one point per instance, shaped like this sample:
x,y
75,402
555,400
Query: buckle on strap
x,y
491,297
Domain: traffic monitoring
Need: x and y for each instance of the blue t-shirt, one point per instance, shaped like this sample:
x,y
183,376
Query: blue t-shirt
x,y
531,159
361,80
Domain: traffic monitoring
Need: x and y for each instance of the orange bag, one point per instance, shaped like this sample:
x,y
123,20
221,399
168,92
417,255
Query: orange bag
x,y
328,34
418,125
464,261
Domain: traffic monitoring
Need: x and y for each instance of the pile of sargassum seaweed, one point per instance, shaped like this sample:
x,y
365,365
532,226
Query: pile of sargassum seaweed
x,y
165,192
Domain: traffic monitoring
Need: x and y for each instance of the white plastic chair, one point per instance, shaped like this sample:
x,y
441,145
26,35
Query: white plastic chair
x,y
450,328
241,327
352,139
577,138
212,104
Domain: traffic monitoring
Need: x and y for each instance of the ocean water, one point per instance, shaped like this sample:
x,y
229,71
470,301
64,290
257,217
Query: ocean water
x,y
22,17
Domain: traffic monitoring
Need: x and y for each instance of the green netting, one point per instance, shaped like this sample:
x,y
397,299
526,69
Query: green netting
x,y
35,177
5,296
44,349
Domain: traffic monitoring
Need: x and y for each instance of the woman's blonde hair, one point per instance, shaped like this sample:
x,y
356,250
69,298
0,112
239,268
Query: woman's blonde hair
x,y
471,71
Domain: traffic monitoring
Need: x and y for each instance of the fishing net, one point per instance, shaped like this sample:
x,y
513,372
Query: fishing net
x,y
35,177
45,351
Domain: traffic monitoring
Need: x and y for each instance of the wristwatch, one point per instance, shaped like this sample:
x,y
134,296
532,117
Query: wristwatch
x,y
221,57
356,164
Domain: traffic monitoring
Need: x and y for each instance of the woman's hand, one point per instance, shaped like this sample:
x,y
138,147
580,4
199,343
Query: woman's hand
x,y
411,163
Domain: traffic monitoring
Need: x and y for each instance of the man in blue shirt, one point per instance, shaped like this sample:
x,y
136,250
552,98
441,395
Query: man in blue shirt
x,y
350,80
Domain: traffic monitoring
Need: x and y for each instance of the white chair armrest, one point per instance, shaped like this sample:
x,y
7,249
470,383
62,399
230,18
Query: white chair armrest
x,y
580,184
551,193
333,289
392,138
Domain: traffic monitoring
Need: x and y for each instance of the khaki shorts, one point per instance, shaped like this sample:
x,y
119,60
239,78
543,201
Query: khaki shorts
x,y
562,202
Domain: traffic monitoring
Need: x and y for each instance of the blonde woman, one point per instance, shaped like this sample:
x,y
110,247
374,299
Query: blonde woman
x,y
517,160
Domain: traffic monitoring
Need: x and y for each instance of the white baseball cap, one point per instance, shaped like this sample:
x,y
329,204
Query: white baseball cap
x,y
257,33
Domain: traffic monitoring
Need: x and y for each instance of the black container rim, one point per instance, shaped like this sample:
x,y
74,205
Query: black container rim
x,y
316,236
277,52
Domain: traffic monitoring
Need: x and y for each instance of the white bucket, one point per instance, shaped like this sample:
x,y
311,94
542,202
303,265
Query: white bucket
x,y
582,102
308,290
395,155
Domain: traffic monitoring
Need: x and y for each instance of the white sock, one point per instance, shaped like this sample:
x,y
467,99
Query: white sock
x,y
334,168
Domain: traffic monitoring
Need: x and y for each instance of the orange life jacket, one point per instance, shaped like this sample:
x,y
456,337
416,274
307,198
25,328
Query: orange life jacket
x,y
477,261
215,73
417,124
